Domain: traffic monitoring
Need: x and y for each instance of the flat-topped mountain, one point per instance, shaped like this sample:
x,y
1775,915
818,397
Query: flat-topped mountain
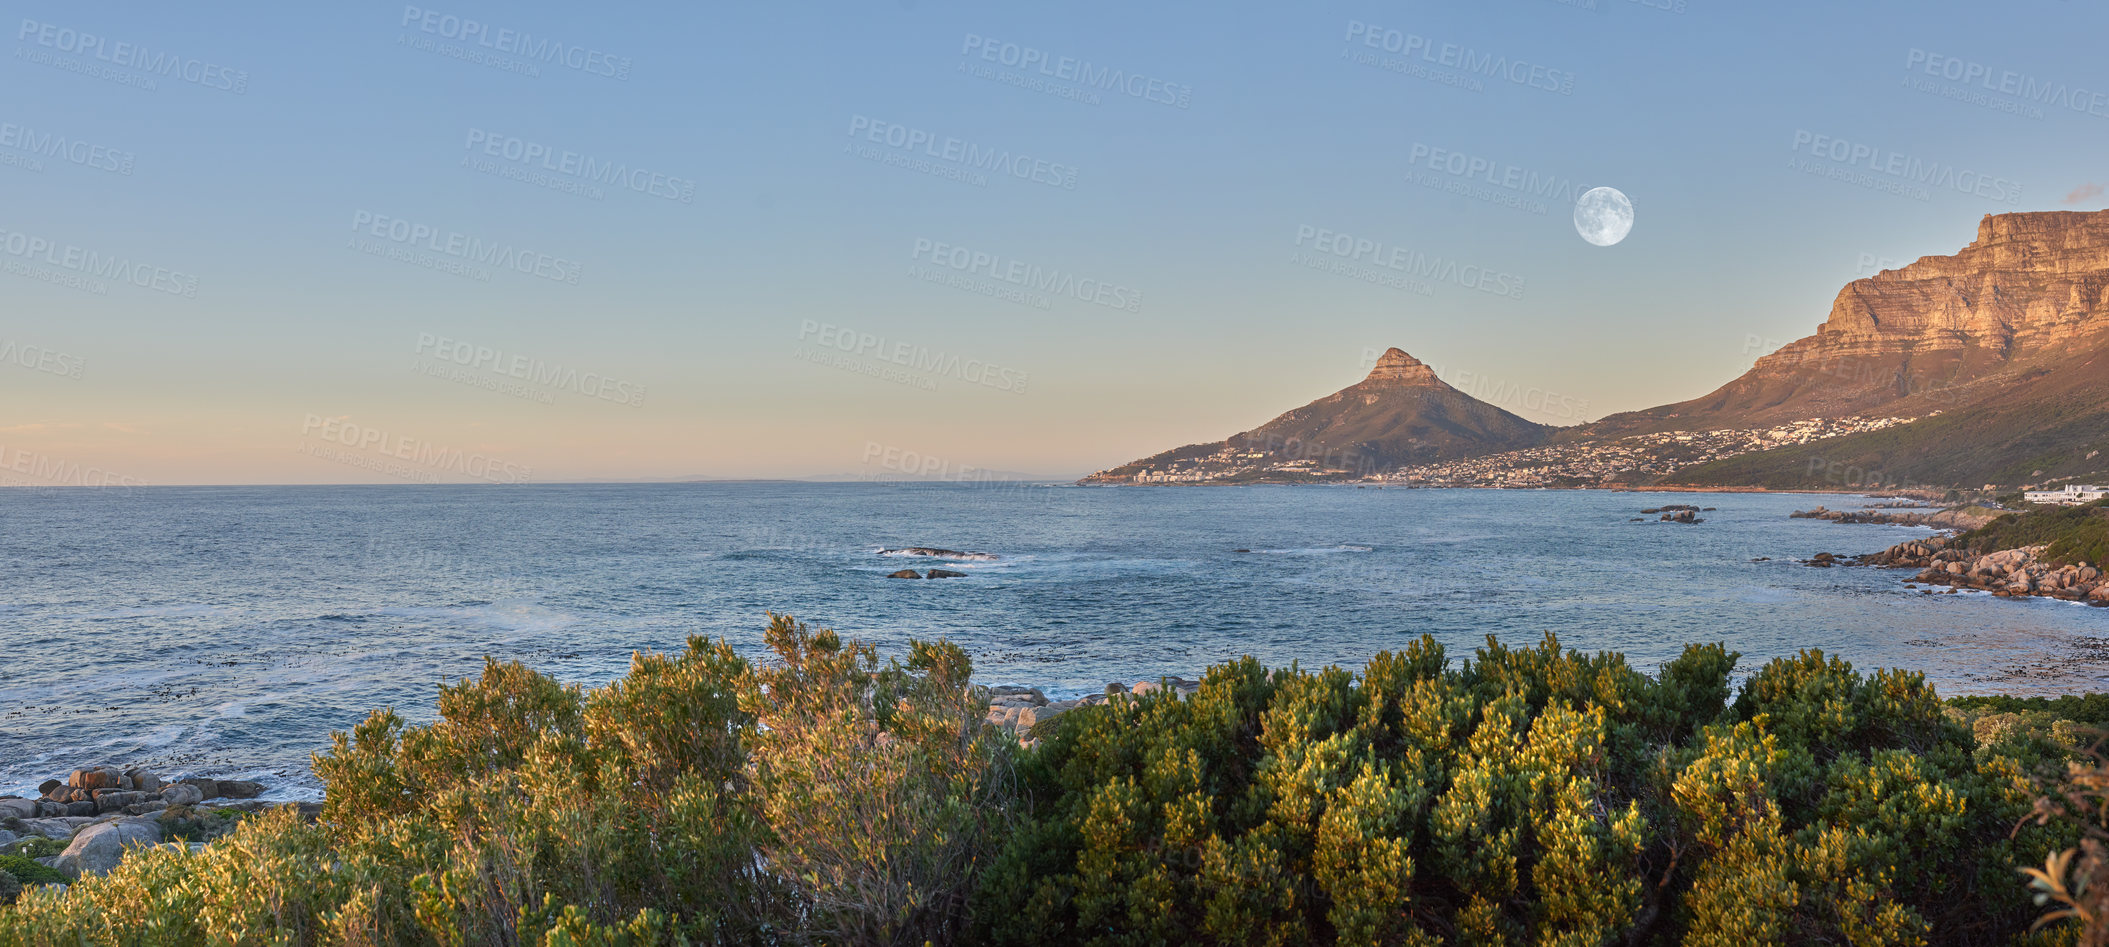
x,y
2028,294
2007,341
1401,413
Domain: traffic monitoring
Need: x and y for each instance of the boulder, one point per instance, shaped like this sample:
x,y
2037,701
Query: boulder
x,y
944,574
50,785
210,787
85,807
240,789
59,829
14,807
111,800
182,794
143,781
905,574
100,847
92,779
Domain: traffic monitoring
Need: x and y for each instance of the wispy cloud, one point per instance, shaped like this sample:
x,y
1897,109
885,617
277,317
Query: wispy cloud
x,y
2083,192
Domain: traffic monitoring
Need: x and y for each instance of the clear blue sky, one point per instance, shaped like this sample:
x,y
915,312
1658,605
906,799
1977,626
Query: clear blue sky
x,y
284,335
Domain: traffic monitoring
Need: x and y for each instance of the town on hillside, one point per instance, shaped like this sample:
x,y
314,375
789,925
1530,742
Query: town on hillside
x,y
1618,461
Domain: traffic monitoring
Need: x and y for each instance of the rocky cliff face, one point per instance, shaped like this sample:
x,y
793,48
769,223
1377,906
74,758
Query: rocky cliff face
x,y
2028,283
1396,369
2031,290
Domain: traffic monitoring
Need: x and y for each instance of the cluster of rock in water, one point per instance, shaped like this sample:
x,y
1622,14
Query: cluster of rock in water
x,y
2008,573
1020,709
1674,513
100,811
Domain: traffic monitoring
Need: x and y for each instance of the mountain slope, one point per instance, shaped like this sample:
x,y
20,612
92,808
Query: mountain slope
x,y
2051,424
1400,414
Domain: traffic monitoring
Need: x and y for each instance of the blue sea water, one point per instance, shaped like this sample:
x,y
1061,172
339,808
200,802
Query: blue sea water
x,y
227,631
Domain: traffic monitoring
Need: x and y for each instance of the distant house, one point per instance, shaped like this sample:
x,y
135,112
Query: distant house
x,y
2069,495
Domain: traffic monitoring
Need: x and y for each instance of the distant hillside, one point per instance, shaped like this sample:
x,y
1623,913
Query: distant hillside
x,y
1401,414
2051,424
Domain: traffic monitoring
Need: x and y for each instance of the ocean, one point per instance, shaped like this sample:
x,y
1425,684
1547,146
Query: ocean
x,y
226,631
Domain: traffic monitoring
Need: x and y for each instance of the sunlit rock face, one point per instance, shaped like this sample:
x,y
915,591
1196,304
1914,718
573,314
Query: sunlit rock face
x,y
2030,293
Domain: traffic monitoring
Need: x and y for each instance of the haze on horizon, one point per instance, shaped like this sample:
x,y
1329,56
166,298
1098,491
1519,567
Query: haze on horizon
x,y
470,242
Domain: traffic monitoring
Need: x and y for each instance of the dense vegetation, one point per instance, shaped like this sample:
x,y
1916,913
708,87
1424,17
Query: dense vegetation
x,y
2073,533
1534,796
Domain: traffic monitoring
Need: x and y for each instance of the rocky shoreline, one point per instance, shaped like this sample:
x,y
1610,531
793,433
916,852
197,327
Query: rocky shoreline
x,y
100,811
1960,518
2007,573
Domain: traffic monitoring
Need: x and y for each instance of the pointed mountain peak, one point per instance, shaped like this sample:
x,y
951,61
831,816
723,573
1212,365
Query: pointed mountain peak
x,y
1395,367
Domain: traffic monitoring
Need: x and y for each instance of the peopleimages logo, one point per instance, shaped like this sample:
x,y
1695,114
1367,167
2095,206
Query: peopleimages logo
x,y
1411,262
380,445
910,356
1897,168
98,266
1026,275
531,370
517,43
63,39
1463,59
41,359
451,243
906,140
1519,188
584,168
57,147
1080,72
2021,86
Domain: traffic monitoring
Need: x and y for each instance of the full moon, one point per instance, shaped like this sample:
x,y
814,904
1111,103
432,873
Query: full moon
x,y
1603,216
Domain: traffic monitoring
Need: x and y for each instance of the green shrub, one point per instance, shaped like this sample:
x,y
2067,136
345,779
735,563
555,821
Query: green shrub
x,y
1525,796
2072,533
1534,795
696,800
2079,708
27,871
37,846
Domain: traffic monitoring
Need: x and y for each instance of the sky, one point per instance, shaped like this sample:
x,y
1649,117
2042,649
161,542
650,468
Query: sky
x,y
537,242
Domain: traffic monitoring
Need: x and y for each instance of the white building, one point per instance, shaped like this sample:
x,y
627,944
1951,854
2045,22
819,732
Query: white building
x,y
2069,495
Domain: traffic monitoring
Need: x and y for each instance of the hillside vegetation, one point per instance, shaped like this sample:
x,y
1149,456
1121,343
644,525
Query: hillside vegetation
x,y
2070,533
1535,796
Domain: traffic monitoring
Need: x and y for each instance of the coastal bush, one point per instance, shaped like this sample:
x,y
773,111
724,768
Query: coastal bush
x,y
819,796
2072,533
2090,709
1525,796
697,800
26,870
